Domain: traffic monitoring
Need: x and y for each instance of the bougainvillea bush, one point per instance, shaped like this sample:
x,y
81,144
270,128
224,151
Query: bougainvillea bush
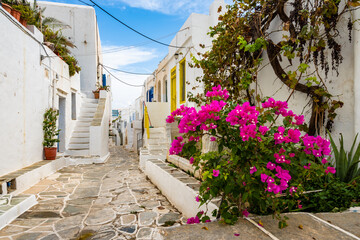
x,y
263,160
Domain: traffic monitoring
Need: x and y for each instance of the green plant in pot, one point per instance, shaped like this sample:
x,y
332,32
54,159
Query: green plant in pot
x,y
99,88
50,133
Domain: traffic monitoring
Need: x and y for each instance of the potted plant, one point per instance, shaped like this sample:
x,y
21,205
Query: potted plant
x,y
6,6
16,14
50,133
99,88
26,13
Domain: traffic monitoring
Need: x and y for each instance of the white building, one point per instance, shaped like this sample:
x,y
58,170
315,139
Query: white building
x,y
84,33
33,78
174,71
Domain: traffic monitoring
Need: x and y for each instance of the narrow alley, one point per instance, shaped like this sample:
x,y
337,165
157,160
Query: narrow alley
x,y
113,200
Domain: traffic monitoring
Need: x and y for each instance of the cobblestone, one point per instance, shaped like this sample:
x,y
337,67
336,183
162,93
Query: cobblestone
x,y
99,201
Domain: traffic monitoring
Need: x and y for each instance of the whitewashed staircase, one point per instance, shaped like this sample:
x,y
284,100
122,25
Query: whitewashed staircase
x,y
156,147
80,139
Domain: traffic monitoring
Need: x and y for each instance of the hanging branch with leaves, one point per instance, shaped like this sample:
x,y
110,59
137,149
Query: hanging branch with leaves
x,y
305,40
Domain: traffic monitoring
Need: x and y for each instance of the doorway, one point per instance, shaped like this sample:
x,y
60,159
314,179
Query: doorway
x,y
62,124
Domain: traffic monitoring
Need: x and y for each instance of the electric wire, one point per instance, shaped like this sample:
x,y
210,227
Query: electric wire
x,y
131,85
118,70
134,30
124,48
86,3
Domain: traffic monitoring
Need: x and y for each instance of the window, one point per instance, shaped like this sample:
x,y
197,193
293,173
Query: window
x,y
182,81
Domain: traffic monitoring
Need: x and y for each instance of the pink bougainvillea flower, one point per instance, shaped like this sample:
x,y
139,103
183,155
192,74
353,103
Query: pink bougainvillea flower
x,y
324,161
176,146
170,119
270,166
196,139
270,180
299,120
213,139
283,174
245,213
197,198
263,130
272,187
307,166
253,170
330,170
191,160
264,177
292,155
300,206
193,220
292,190
294,135
216,173
244,183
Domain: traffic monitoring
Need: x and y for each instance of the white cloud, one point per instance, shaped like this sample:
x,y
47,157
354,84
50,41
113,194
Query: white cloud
x,y
172,7
113,57
123,94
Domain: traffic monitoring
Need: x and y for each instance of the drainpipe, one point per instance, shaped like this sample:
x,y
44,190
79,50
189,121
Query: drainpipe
x,y
356,73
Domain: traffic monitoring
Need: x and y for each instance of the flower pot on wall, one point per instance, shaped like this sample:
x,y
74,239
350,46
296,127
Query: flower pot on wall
x,y
23,22
96,95
16,14
7,7
50,153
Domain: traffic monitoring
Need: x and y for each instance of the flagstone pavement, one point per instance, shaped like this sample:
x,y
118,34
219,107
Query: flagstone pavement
x,y
113,200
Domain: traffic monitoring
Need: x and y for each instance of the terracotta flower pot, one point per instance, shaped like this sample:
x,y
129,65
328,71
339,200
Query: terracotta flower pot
x,y
23,22
7,7
16,14
96,95
50,153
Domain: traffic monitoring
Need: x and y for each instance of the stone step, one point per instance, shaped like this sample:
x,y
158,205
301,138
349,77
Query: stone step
x,y
85,118
157,130
79,146
157,135
75,140
160,141
78,152
81,134
81,129
87,110
83,123
86,114
89,100
89,105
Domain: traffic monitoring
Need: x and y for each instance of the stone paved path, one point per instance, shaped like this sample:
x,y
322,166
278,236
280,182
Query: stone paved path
x,y
100,201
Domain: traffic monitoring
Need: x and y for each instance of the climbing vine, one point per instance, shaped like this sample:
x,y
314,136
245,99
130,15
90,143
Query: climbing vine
x,y
298,39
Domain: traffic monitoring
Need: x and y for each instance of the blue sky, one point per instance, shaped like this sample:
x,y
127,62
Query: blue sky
x,y
159,19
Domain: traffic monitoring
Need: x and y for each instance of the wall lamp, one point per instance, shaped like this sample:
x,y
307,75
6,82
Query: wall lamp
x,y
176,56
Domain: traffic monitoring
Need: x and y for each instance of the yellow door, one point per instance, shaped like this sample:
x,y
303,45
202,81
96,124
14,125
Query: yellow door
x,y
173,89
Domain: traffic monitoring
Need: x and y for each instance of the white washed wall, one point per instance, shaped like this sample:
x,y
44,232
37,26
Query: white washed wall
x,y
83,32
341,86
